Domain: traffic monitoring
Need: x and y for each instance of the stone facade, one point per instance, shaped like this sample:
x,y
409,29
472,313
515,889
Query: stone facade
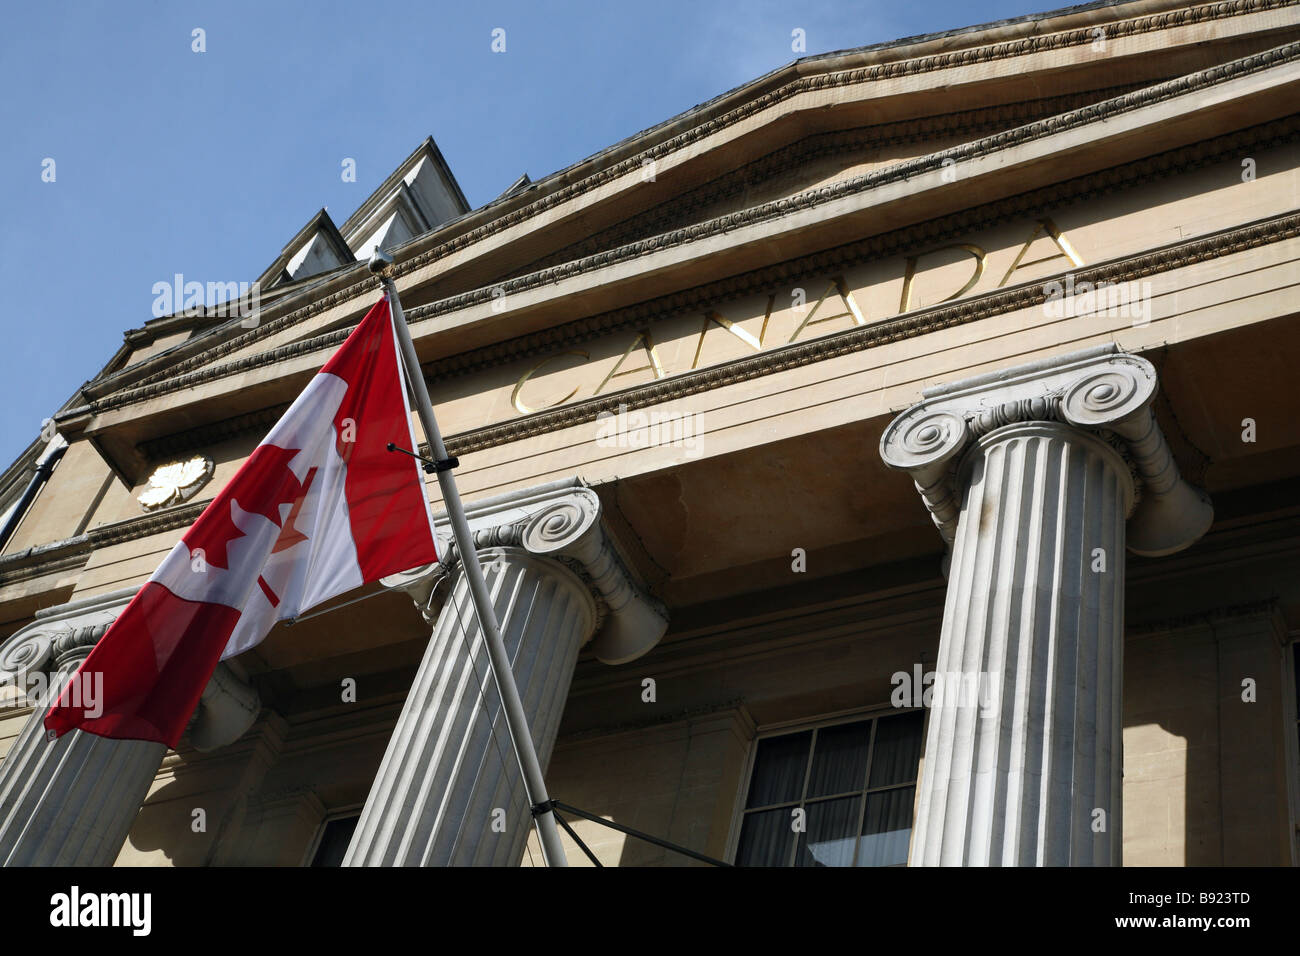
x,y
968,355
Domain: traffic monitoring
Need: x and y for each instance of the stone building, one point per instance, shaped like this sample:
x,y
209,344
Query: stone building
x,y
894,459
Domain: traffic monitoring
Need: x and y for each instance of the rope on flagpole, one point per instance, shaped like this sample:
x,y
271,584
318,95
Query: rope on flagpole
x,y
291,621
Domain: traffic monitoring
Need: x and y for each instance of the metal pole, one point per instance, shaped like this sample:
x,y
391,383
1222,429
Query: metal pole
x,y
516,720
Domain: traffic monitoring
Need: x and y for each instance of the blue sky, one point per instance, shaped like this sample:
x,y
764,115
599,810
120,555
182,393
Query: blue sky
x,y
167,160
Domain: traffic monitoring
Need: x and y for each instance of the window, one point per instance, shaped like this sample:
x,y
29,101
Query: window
x,y
1294,749
855,782
335,836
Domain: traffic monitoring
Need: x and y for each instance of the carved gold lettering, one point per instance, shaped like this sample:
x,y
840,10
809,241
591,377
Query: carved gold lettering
x,y
643,339
727,325
518,402
851,309
909,272
1044,226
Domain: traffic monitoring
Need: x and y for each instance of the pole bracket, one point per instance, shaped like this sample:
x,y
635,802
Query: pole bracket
x,y
431,465
537,809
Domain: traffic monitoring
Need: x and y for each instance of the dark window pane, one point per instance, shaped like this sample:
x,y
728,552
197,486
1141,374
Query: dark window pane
x,y
840,759
766,838
886,828
334,841
898,749
779,769
832,827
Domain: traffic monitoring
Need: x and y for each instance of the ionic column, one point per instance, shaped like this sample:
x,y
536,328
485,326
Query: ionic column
x,y
71,801
449,791
1038,478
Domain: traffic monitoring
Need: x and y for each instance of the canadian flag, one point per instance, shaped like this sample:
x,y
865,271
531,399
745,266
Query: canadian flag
x,y
319,508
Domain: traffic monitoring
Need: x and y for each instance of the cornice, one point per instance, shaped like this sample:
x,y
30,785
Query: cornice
x,y
307,293
39,566
1188,85
917,235
179,375
179,322
677,211
204,436
834,80
70,552
35,561
924,321
711,294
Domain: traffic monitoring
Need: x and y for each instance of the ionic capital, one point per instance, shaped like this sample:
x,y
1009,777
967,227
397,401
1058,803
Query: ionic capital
x,y
61,638
1101,391
561,521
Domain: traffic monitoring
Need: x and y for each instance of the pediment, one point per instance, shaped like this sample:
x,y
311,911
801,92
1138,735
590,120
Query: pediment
x,y
317,248
420,195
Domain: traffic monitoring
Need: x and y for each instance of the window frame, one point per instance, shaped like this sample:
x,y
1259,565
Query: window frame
x,y
1290,656
314,846
815,724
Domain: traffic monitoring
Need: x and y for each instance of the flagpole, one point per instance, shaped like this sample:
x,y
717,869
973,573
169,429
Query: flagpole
x,y
516,721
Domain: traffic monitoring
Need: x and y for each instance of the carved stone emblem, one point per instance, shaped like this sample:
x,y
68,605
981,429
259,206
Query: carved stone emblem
x,y
175,482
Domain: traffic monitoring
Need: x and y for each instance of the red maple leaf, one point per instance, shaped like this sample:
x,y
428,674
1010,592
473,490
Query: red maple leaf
x,y
214,530
260,487
289,534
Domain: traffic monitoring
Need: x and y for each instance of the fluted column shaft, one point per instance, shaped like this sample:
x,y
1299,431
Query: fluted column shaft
x,y
1029,773
449,790
1038,477
71,801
